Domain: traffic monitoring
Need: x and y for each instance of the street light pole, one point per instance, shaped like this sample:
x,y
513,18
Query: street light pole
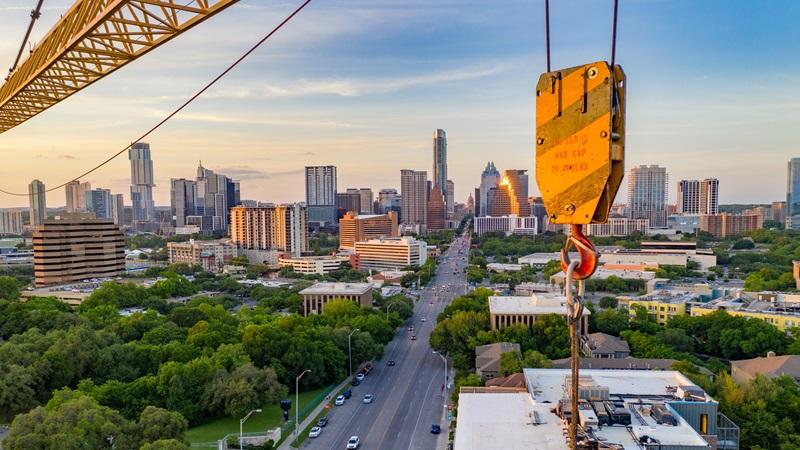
x,y
388,307
350,350
297,400
241,425
444,358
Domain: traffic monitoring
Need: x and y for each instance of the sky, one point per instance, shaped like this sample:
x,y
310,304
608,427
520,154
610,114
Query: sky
x,y
713,91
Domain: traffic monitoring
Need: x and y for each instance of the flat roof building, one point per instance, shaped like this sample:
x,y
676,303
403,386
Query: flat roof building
x,y
391,253
271,227
75,249
510,224
210,255
354,228
317,296
510,310
310,265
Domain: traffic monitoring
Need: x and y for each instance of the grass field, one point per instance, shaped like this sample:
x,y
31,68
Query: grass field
x,y
271,417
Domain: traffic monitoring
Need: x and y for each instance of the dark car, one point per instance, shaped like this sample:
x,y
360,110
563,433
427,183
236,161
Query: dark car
x,y
436,429
347,394
322,422
390,363
414,337
355,382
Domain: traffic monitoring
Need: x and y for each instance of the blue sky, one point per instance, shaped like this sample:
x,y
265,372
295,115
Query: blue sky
x,y
713,91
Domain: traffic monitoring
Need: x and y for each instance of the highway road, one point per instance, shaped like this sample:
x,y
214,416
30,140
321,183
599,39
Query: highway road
x,y
408,396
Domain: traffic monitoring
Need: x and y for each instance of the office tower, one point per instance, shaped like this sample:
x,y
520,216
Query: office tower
x,y
391,253
118,209
183,200
779,211
436,210
470,204
271,227
365,199
450,197
215,194
11,222
354,228
476,209
698,196
414,196
346,202
440,162
510,196
38,203
142,182
76,249
792,209
647,194
390,200
98,201
321,194
490,178
76,195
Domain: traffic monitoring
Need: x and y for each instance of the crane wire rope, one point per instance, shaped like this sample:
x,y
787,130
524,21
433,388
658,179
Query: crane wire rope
x,y
178,109
575,305
35,14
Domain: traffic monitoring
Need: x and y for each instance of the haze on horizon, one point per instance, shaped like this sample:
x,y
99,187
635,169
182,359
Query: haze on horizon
x,y
363,84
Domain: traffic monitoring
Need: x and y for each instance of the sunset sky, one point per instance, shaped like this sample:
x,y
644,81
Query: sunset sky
x,y
714,90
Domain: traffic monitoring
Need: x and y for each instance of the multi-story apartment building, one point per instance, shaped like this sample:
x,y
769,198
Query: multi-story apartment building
x,y
271,227
210,255
75,249
364,199
321,194
390,253
354,228
38,203
698,196
792,206
725,224
414,196
647,194
76,195
11,222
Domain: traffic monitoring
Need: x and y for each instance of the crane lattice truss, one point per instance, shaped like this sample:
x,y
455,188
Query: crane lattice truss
x,y
93,39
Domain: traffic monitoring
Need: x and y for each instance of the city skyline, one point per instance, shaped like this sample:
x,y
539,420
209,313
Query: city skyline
x,y
318,113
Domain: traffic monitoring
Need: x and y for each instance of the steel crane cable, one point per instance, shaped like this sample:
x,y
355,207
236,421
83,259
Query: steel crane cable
x,y
178,109
547,34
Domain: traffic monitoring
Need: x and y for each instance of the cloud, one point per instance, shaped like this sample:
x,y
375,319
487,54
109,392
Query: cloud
x,y
242,172
65,156
200,117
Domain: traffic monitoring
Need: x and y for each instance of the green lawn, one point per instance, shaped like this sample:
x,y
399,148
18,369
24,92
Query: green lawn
x,y
271,417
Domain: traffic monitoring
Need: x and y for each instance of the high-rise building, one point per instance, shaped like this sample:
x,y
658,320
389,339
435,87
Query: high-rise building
x,y
271,227
183,200
38,203
76,195
346,202
647,194
75,249
142,182
321,194
792,210
215,195
440,162
698,196
414,196
490,179
450,197
354,228
510,197
436,210
390,200
365,199
725,224
11,222
779,211
118,209
539,211
98,201
470,206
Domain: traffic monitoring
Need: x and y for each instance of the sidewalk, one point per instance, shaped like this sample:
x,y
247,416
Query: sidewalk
x,y
442,439
312,416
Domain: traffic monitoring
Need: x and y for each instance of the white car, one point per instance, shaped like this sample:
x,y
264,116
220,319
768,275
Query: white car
x,y
424,319
368,398
353,443
360,376
314,432
339,400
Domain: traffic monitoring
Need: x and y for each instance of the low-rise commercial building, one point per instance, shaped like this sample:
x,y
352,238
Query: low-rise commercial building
x,y
618,409
75,249
310,265
661,307
511,310
510,224
317,296
618,226
656,254
210,255
391,253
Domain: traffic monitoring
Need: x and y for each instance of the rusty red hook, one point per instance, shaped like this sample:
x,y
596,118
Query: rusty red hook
x,y
586,250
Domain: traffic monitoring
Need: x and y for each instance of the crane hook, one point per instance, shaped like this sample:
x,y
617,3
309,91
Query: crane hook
x,y
586,251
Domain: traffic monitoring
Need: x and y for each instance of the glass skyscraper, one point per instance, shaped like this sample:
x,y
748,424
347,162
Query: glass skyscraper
x,y
141,182
793,194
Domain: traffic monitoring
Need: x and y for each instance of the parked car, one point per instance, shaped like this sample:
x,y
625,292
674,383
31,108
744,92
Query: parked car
x,y
360,376
368,398
413,337
353,443
339,400
390,363
347,394
322,422
436,429
355,382
424,319
315,431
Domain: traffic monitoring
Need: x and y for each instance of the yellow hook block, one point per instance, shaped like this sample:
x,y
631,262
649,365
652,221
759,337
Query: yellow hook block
x,y
580,141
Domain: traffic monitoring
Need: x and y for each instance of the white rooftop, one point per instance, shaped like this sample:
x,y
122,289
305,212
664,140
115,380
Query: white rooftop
x,y
539,303
337,288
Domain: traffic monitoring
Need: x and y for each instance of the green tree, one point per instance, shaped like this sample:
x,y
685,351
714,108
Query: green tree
x,y
157,424
166,444
9,288
510,362
608,302
535,360
244,389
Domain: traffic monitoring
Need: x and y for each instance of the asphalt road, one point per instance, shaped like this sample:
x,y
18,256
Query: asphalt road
x,y
408,396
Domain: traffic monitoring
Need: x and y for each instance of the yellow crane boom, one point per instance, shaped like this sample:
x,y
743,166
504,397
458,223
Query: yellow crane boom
x,y
93,39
